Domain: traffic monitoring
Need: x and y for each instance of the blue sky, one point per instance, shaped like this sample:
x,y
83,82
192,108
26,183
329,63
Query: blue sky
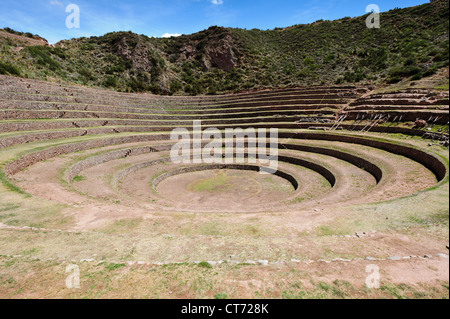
x,y
158,17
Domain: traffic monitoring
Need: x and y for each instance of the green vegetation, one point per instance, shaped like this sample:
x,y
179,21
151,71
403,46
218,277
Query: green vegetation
x,y
10,186
205,264
217,182
43,56
113,267
6,68
79,178
24,34
122,226
345,290
443,87
411,44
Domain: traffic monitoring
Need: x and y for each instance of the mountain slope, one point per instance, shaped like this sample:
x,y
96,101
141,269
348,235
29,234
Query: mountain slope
x,y
411,43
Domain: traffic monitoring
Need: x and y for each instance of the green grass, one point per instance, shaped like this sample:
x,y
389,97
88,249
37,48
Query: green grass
x,y
215,183
444,87
114,267
79,178
438,218
345,290
398,292
11,186
123,226
336,290
328,231
6,207
204,264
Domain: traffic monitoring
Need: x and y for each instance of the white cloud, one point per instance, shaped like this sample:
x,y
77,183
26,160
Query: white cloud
x,y
170,35
56,3
217,2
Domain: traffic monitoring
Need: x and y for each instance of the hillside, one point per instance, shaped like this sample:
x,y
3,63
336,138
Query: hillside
x,y
412,43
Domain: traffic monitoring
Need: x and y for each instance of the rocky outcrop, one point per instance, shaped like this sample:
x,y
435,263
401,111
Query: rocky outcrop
x,y
221,55
138,54
188,52
215,52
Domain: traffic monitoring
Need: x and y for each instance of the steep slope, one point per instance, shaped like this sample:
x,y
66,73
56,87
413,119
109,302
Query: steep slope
x,y
411,43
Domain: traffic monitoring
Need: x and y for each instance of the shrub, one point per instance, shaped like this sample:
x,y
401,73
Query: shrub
x,y
192,89
405,71
308,61
355,76
42,55
59,52
393,80
212,90
330,57
110,81
155,88
137,85
158,64
188,68
431,71
6,68
24,34
87,46
417,76
442,56
175,86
